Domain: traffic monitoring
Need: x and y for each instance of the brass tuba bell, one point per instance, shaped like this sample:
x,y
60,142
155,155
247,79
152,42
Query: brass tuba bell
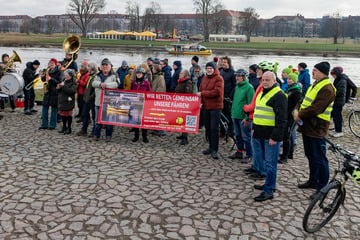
x,y
71,45
14,58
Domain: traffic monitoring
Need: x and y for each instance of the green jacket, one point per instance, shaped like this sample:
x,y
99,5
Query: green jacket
x,y
243,95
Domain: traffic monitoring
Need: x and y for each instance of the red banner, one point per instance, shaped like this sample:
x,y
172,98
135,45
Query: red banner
x,y
150,110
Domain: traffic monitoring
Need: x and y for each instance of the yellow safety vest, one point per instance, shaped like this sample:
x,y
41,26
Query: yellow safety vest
x,y
263,114
310,96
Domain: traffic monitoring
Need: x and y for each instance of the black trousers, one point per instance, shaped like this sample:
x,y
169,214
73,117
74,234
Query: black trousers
x,y
212,122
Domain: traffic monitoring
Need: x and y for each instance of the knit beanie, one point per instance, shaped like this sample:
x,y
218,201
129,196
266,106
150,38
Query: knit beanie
x,y
177,63
288,70
36,62
253,67
210,64
294,76
53,60
195,58
84,64
124,63
323,67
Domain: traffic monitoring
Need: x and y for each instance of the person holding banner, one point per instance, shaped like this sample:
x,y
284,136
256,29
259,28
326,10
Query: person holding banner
x,y
106,78
212,97
140,84
184,86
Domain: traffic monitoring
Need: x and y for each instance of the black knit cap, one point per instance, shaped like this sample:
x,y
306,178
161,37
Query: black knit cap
x,y
253,67
211,64
195,58
323,67
36,62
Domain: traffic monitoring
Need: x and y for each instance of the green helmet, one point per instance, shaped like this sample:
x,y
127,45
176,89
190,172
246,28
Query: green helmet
x,y
266,66
356,176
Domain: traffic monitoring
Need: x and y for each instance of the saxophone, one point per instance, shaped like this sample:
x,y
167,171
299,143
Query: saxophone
x,y
46,83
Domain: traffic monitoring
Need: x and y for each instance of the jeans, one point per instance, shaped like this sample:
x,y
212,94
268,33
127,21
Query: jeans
x,y
97,130
337,117
212,123
315,151
243,136
87,108
29,99
268,155
45,117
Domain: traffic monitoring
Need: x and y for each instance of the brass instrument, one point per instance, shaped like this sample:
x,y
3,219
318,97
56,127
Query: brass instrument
x,y
14,58
46,83
71,45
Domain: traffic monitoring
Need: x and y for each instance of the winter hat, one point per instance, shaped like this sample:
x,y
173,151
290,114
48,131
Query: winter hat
x,y
303,65
140,70
323,67
210,64
124,63
156,61
54,60
106,61
216,59
177,63
70,72
294,76
253,67
337,71
36,62
195,58
150,58
288,70
84,64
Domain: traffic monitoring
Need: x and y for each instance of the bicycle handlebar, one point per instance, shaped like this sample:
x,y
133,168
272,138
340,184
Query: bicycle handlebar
x,y
350,156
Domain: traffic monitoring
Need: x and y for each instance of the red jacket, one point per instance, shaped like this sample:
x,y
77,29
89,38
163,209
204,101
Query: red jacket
x,y
82,83
212,91
250,108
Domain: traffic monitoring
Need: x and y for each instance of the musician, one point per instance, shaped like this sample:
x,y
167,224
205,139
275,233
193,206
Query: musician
x,y
4,61
29,76
51,78
73,65
82,82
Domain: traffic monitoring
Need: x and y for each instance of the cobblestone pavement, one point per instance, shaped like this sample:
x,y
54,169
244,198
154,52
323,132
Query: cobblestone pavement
x,y
55,186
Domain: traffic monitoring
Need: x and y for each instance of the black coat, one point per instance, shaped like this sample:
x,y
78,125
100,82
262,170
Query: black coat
x,y
229,82
254,81
66,95
51,97
351,88
340,85
29,73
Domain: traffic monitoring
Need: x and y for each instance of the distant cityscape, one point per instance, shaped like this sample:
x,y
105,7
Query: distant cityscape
x,y
231,22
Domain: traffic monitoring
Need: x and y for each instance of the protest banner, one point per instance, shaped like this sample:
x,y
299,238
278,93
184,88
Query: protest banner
x,y
150,110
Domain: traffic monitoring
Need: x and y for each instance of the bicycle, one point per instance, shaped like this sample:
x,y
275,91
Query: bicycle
x,y
224,121
354,119
326,203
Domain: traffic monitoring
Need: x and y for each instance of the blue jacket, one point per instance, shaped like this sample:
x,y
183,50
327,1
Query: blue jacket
x,y
122,74
304,79
254,81
175,78
167,76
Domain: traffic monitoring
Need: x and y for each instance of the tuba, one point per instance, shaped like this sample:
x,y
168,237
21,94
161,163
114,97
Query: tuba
x,y
71,45
14,58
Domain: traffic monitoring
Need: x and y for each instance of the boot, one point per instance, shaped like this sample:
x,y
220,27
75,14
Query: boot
x,y
64,120
180,137
184,141
67,131
144,136
136,138
63,129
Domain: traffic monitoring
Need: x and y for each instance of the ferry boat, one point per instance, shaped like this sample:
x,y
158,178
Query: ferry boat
x,y
189,49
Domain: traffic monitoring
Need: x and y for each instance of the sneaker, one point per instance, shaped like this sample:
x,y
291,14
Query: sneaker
x,y
282,160
263,197
256,176
236,155
33,110
338,134
214,155
107,139
207,151
331,133
249,170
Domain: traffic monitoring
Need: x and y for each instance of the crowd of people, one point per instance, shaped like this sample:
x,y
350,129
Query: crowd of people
x,y
264,106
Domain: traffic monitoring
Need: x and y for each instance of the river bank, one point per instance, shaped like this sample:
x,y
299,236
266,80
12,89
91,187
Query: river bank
x,y
264,46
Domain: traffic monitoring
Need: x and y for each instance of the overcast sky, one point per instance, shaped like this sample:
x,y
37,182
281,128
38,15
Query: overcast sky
x,y
266,8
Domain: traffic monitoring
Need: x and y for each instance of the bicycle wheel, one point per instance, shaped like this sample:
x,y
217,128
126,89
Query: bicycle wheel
x,y
354,123
323,207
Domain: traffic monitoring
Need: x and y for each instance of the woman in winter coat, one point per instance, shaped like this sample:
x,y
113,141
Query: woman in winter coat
x,y
212,97
340,85
66,99
140,84
184,85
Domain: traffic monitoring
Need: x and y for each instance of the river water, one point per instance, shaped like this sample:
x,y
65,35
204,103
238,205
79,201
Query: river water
x,y
116,56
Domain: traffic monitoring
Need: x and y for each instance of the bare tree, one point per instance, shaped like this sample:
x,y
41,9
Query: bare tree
x,y
133,10
218,19
205,8
332,27
51,24
251,19
82,12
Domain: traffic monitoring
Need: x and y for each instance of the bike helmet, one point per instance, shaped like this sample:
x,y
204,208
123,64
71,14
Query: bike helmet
x,y
140,70
241,72
356,176
266,66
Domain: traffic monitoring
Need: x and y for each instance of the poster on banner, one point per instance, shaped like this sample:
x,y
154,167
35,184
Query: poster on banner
x,y
150,110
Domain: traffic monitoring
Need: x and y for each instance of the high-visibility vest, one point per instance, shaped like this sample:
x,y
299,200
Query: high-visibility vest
x,y
263,114
310,96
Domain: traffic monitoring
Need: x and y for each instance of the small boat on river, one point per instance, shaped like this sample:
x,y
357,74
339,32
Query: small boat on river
x,y
189,49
